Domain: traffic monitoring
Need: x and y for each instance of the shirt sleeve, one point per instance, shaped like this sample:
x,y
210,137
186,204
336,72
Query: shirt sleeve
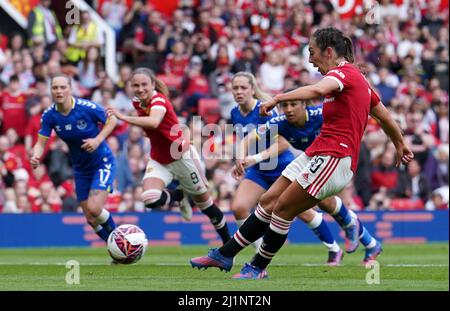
x,y
46,125
374,98
159,103
339,75
99,113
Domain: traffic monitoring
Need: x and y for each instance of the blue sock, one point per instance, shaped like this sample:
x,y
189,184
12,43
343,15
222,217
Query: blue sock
x,y
341,214
109,225
106,221
102,233
322,231
365,238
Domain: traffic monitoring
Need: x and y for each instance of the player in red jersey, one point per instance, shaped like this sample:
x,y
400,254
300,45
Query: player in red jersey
x,y
327,165
171,155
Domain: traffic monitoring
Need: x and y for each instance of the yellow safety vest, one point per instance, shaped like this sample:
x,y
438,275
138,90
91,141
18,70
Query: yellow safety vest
x,y
38,29
74,54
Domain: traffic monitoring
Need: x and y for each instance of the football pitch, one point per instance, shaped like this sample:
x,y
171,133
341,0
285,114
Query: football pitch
x,y
295,268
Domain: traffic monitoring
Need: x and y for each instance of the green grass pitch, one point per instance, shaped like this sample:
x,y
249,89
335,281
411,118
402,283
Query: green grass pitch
x,y
295,268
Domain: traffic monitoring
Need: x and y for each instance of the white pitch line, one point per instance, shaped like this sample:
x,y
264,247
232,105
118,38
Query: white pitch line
x,y
412,265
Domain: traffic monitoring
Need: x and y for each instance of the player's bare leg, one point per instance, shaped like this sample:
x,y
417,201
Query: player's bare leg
x,y
245,199
98,217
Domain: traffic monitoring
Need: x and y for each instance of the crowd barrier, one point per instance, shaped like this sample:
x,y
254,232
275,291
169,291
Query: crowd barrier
x,y
169,228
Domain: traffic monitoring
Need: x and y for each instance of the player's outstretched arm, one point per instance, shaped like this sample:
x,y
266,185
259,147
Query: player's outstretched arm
x,y
391,128
321,88
38,150
151,121
280,145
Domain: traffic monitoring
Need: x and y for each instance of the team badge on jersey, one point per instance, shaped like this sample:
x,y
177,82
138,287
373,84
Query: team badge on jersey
x,y
262,129
81,124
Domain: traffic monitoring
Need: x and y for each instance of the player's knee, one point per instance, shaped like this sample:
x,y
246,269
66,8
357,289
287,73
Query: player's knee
x,y
268,202
307,216
153,198
280,209
240,210
203,202
92,210
329,204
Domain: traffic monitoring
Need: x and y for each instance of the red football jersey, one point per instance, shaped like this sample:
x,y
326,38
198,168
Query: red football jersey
x,y
345,114
14,113
161,138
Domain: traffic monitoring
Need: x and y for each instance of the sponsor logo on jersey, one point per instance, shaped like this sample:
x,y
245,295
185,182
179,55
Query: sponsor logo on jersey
x,y
328,100
68,127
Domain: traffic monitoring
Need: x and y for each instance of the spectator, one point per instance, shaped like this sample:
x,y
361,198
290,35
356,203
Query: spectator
x,y
195,85
43,25
439,199
272,73
436,167
83,36
12,108
114,12
143,45
177,61
385,175
248,61
90,68
413,184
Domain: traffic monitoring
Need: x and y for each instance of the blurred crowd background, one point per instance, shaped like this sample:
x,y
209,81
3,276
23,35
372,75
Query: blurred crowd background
x,y
196,48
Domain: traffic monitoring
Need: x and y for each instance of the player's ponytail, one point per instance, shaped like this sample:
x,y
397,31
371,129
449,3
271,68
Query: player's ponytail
x,y
160,86
259,94
349,50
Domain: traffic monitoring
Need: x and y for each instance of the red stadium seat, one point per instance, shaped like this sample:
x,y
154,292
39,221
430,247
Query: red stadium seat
x,y
209,110
406,204
170,80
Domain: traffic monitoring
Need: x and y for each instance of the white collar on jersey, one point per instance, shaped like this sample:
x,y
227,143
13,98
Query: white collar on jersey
x,y
342,63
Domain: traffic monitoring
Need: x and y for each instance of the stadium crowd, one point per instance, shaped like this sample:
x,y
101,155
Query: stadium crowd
x,y
404,52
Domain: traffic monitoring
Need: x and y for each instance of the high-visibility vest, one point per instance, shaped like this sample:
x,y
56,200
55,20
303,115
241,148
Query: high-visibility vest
x,y
38,29
74,54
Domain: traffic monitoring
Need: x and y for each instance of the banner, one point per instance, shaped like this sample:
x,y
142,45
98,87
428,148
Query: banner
x,y
169,228
24,6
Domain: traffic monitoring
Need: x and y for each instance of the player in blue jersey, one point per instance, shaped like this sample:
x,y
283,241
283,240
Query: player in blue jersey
x,y
299,125
258,178
76,121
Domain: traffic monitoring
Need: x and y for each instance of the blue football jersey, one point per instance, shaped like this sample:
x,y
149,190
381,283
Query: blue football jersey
x,y
82,122
246,124
299,137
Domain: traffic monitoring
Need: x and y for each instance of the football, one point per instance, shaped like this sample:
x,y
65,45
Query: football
x,y
127,244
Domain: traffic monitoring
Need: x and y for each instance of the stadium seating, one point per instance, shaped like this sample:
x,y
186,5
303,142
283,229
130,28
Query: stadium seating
x,y
209,110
